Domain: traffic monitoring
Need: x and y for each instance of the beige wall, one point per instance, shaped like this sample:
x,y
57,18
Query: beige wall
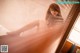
x,y
16,13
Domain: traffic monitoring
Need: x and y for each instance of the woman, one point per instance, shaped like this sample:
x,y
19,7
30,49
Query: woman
x,y
49,30
53,16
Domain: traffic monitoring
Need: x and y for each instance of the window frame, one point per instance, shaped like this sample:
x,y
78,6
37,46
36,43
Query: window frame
x,y
73,14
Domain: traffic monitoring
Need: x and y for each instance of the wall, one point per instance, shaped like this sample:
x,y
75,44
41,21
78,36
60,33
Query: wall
x,y
14,14
17,13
